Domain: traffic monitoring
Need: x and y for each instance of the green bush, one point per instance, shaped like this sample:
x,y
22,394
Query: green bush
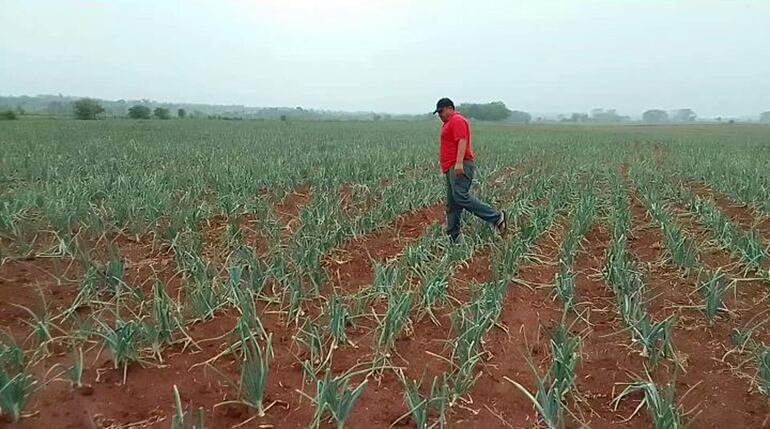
x,y
87,108
8,115
139,112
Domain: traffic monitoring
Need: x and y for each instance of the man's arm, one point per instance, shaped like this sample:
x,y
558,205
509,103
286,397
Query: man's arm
x,y
461,133
461,145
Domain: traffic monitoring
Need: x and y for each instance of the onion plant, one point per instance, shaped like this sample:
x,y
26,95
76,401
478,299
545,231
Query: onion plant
x,y
16,384
183,419
293,296
422,406
713,290
660,403
114,271
564,284
75,372
552,386
164,313
310,337
202,298
40,323
547,398
255,365
334,397
761,354
565,357
395,320
387,276
434,289
339,316
122,341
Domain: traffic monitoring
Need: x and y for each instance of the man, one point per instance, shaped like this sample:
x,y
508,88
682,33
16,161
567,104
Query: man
x,y
458,166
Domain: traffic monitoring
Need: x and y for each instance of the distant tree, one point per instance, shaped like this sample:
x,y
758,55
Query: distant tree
x,y
605,116
376,117
162,113
494,111
764,116
139,112
521,117
284,118
8,115
579,117
118,108
87,108
683,115
181,113
655,116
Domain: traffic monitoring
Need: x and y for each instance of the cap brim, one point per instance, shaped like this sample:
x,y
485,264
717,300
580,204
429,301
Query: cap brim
x,y
434,112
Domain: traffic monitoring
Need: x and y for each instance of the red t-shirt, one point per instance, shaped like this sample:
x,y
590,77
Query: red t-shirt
x,y
454,129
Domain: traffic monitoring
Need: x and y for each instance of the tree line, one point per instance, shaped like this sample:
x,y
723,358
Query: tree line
x,y
494,111
47,105
90,109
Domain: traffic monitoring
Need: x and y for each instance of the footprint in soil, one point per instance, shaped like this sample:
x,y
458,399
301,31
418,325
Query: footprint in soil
x,y
233,411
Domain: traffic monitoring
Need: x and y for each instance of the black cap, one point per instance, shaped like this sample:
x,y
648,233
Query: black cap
x,y
444,102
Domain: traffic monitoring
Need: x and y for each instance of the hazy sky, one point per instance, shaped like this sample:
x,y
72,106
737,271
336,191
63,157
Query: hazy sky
x,y
395,56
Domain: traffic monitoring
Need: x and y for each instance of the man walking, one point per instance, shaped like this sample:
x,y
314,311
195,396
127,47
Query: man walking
x,y
458,166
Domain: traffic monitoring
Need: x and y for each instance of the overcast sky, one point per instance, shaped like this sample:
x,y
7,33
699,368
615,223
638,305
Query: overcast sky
x,y
395,56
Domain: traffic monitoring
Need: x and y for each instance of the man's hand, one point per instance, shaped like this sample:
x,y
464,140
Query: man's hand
x,y
459,170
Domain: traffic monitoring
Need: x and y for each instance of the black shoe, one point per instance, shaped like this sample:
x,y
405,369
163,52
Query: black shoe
x,y
502,225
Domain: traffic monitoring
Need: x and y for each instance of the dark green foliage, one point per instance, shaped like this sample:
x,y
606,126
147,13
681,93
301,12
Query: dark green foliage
x,y
8,115
162,113
139,112
494,111
87,108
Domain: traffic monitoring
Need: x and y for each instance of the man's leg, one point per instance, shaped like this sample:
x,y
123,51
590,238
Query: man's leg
x,y
453,211
461,195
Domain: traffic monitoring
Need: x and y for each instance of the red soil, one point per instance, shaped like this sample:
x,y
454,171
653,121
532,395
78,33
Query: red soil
x,y
289,208
350,267
718,397
722,397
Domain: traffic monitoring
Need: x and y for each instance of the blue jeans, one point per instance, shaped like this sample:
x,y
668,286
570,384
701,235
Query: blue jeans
x,y
458,199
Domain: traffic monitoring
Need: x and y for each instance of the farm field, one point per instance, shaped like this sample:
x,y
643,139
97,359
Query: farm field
x,y
263,274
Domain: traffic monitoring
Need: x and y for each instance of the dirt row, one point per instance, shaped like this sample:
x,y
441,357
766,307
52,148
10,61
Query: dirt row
x,y
719,394
146,399
741,214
